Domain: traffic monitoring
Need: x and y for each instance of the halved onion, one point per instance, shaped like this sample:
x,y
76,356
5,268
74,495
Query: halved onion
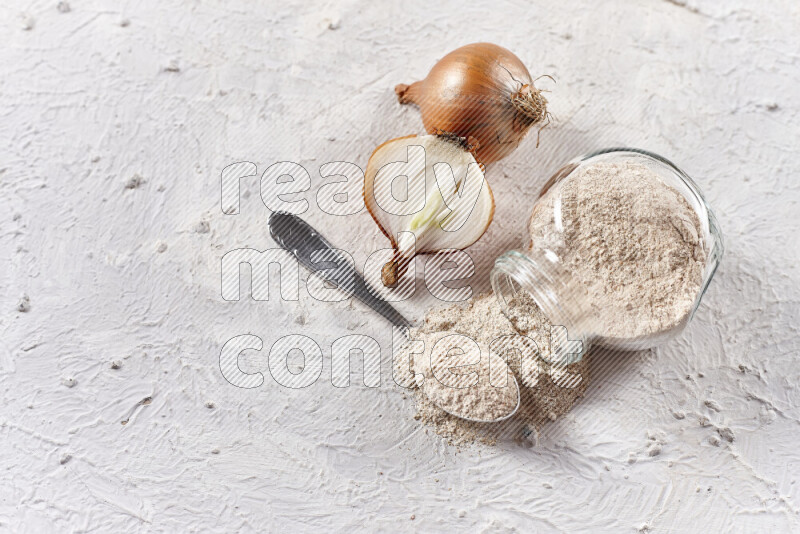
x,y
446,202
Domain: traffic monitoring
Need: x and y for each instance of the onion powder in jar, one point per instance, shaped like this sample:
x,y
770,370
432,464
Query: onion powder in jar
x,y
622,246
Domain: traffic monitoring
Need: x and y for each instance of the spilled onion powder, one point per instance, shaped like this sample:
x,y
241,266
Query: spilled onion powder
x,y
487,390
546,393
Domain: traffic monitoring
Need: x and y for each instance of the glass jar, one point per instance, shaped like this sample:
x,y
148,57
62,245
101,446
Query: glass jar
x,y
541,270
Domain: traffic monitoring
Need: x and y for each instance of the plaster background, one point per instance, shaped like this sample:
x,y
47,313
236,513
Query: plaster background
x,y
175,91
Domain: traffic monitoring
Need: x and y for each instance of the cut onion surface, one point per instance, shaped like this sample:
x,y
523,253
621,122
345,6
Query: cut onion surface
x,y
427,193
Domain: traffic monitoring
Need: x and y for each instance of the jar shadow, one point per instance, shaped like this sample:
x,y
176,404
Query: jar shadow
x,y
547,409
610,372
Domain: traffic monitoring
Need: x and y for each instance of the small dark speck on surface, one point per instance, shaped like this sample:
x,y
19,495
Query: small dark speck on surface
x,y
712,404
210,405
63,7
69,382
684,5
24,304
146,401
134,182
162,247
124,23
202,227
116,364
726,434
172,67
214,451
773,107
65,458
16,217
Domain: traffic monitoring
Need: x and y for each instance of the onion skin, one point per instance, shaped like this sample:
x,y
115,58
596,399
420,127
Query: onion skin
x,y
480,90
393,270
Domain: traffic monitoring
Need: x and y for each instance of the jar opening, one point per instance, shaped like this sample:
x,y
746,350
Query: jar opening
x,y
553,292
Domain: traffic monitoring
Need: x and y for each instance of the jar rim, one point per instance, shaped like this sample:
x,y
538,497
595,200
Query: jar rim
x,y
516,270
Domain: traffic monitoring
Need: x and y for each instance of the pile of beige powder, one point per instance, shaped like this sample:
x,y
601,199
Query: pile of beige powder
x,y
545,392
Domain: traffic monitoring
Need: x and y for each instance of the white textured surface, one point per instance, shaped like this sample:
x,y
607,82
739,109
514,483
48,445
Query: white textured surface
x,y
174,91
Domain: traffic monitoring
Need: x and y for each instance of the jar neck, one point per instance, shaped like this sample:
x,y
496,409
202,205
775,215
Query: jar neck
x,y
543,276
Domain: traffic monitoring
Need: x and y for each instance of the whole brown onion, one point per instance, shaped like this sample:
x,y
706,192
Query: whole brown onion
x,y
482,91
